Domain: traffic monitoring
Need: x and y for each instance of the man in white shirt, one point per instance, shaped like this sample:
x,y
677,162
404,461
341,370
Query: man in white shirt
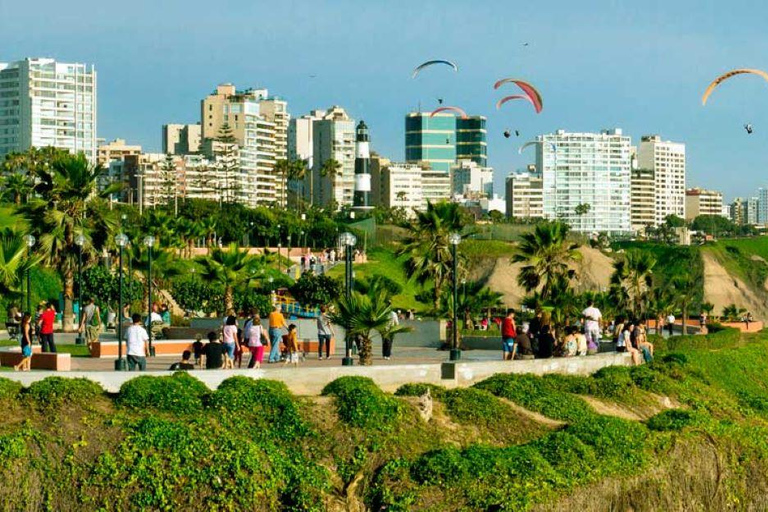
x,y
136,339
386,341
592,318
670,323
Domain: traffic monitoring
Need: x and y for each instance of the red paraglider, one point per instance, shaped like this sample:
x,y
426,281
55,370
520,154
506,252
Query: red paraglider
x,y
514,97
449,109
527,88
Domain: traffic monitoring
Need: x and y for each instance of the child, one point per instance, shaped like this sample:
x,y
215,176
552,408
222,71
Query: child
x,y
197,347
292,346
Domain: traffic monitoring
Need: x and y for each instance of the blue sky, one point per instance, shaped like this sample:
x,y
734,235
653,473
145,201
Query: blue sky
x,y
641,66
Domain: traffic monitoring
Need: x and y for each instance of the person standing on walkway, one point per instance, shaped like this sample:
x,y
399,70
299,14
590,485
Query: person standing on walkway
x,y
386,341
136,339
26,344
671,323
214,352
229,336
324,333
592,317
257,338
46,328
508,335
292,346
276,326
91,322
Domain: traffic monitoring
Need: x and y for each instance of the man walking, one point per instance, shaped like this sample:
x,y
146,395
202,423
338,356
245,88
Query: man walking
x,y
324,333
592,318
276,326
386,341
91,322
46,328
136,339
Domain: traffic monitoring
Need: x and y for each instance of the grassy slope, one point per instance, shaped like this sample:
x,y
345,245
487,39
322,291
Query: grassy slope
x,y
477,453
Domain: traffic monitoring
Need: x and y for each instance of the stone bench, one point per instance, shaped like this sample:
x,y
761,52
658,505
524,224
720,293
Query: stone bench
x,y
109,349
11,356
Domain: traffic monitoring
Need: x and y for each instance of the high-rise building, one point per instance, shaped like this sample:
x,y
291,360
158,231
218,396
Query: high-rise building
x,y
762,206
525,196
699,201
396,185
181,139
431,139
115,150
471,180
48,103
253,181
471,140
586,179
642,199
737,211
275,110
667,161
333,138
751,210
300,147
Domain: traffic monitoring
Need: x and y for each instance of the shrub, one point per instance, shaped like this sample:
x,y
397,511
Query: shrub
x,y
179,393
567,453
570,383
9,389
613,382
420,389
361,403
620,444
55,391
673,419
474,406
265,403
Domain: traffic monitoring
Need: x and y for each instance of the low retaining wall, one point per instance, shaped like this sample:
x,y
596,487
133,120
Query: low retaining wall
x,y
11,356
311,381
109,349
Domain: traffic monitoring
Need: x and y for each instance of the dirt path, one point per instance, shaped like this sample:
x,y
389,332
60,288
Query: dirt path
x,y
723,289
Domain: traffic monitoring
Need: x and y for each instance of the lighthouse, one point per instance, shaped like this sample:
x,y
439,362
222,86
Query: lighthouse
x,y
361,200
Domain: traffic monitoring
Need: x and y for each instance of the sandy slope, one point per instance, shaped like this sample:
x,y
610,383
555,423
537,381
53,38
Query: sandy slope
x,y
722,289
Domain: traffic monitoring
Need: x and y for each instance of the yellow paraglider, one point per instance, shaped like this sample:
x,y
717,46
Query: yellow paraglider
x,y
728,75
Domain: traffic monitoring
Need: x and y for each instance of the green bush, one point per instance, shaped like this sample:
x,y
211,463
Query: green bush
x,y
531,392
570,383
179,393
673,419
9,389
266,404
56,391
420,389
361,403
474,406
621,445
613,382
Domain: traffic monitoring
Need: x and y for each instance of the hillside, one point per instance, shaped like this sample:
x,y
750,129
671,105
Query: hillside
x,y
685,433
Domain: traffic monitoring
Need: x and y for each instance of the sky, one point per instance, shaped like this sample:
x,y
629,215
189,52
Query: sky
x,y
640,66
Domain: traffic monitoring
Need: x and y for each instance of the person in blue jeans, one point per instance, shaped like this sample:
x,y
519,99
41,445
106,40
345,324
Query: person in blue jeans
x,y
276,327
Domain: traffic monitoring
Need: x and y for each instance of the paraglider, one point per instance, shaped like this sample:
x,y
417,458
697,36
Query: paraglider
x,y
418,68
722,78
748,127
527,88
449,109
533,143
507,134
439,101
517,133
514,97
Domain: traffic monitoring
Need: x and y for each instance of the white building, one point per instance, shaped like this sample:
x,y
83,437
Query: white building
x,y
667,161
699,201
586,179
181,139
751,211
48,103
642,200
525,197
333,138
301,147
470,180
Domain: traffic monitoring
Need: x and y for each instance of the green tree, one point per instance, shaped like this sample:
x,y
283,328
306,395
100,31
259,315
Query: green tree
x,y
312,290
686,288
229,268
228,165
68,204
427,247
546,253
633,272
581,210
330,169
16,187
14,262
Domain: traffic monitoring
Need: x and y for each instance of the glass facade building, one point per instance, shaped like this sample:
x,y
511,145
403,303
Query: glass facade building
x,y
431,139
471,140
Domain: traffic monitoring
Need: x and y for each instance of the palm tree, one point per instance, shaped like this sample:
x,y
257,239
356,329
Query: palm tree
x,y
363,315
547,254
297,171
330,169
733,313
68,204
16,187
427,246
14,261
229,268
686,288
634,274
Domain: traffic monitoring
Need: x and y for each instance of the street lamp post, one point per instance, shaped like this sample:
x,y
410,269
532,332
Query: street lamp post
x,y
30,241
149,241
121,240
455,239
279,256
79,241
348,240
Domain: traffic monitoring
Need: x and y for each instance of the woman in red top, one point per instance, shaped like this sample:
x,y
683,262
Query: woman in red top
x,y
508,335
46,328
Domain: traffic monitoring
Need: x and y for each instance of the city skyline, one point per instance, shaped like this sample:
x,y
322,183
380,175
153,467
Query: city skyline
x,y
594,68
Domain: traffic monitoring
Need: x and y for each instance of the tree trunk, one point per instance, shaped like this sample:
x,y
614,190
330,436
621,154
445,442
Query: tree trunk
x,y
68,317
366,351
685,319
229,299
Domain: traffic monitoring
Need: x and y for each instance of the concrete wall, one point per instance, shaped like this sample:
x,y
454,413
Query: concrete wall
x,y
310,381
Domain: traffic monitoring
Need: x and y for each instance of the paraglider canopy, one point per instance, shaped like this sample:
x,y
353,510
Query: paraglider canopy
x,y
514,97
527,88
418,68
722,78
449,109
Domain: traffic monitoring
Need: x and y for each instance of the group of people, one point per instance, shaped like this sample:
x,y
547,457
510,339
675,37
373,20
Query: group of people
x,y
538,338
28,330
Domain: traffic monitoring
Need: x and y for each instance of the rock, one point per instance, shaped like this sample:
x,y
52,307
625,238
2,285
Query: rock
x,y
424,406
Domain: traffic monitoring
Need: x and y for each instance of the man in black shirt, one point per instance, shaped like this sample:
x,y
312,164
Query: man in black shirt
x,y
214,352
184,364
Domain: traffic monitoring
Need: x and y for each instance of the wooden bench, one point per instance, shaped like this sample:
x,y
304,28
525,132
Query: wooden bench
x,y
11,356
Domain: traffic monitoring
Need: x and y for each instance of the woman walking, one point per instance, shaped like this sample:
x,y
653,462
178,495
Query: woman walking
x,y
324,333
229,337
257,338
26,344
